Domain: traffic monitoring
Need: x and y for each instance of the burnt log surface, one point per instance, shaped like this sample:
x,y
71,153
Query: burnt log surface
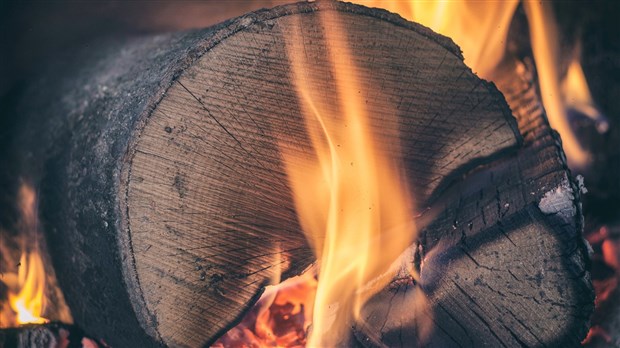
x,y
167,207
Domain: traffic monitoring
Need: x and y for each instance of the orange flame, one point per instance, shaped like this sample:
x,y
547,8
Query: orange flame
x,y
351,200
480,28
29,302
576,93
29,286
544,38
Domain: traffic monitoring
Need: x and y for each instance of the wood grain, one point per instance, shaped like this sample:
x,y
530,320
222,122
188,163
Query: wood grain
x,y
209,205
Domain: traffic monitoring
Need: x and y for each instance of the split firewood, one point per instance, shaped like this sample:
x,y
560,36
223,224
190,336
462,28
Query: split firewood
x,y
168,210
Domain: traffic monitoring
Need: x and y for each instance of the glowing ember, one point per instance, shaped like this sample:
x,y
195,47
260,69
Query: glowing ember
x,y
280,318
605,278
28,287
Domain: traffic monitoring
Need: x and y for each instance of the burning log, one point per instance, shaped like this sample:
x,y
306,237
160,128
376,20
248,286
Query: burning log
x,y
168,209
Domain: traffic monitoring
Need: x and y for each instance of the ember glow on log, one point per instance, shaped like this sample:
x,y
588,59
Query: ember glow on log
x,y
281,318
28,286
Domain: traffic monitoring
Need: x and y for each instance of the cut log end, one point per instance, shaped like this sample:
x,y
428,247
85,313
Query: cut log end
x,y
206,187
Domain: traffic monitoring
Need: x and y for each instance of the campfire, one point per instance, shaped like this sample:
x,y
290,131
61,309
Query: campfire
x,y
384,173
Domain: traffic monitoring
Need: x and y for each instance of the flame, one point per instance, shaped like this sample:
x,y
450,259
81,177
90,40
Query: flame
x,y
544,38
480,28
351,200
29,286
577,96
575,87
29,302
